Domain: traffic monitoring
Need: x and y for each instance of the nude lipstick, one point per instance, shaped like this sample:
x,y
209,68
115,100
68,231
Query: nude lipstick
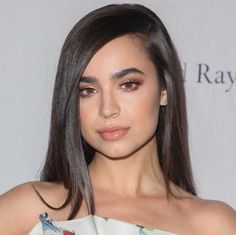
x,y
113,133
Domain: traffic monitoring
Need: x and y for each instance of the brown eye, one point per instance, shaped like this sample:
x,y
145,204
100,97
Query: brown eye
x,y
87,92
130,85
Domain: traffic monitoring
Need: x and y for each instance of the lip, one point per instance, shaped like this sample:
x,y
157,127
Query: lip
x,y
113,133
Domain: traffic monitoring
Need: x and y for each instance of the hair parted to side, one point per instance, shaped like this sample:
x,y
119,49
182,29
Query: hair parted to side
x,y
68,155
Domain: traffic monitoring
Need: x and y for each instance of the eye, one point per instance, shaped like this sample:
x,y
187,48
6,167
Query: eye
x,y
130,85
87,92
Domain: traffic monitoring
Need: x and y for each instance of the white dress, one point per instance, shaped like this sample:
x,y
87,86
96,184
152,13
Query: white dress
x,y
91,225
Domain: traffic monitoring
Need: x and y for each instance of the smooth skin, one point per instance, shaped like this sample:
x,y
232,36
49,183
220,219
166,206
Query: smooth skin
x,y
120,88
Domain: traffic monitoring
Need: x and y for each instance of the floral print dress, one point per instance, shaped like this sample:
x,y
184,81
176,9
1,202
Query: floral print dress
x,y
91,225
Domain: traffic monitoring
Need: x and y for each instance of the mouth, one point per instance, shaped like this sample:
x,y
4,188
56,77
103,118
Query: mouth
x,y
113,133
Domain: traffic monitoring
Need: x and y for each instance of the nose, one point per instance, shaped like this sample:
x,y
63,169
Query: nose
x,y
108,107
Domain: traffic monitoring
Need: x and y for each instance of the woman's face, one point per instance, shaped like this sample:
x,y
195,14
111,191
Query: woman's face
x,y
119,99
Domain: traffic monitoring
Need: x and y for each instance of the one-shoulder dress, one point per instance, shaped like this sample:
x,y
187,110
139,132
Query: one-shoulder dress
x,y
91,225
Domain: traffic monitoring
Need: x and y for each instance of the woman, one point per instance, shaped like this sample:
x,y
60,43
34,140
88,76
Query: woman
x,y
118,159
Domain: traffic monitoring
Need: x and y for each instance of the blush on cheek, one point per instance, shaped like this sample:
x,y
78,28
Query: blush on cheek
x,y
151,114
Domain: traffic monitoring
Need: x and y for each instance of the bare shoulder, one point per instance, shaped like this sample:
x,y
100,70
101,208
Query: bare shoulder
x,y
212,217
53,193
21,206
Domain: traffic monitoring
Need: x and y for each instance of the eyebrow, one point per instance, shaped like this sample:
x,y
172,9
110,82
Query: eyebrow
x,y
114,76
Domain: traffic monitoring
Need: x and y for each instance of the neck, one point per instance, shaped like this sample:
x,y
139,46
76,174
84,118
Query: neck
x,y
136,175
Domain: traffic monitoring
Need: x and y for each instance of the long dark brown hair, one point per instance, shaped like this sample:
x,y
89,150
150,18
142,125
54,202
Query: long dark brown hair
x,y
68,155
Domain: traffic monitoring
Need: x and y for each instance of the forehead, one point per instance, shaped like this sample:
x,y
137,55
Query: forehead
x,y
119,53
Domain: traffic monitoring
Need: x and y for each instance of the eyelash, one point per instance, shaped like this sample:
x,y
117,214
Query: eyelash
x,y
134,83
86,89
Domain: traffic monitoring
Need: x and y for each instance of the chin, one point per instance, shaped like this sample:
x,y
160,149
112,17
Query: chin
x,y
123,149
120,152
114,155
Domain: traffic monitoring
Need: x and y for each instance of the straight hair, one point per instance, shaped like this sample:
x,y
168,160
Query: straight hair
x,y
68,154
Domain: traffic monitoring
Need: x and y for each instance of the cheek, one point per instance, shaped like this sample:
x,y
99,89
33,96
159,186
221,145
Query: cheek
x,y
85,115
145,108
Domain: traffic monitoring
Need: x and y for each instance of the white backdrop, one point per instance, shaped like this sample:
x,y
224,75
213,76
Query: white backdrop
x,y
31,36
